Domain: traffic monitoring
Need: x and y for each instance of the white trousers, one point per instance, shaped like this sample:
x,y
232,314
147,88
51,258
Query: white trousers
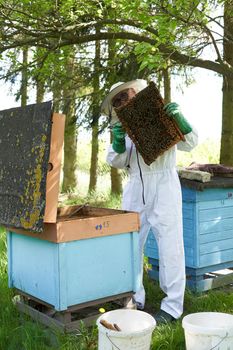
x,y
165,220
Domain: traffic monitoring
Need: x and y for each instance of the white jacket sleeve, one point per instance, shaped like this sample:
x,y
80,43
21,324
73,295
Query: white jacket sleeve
x,y
191,140
115,159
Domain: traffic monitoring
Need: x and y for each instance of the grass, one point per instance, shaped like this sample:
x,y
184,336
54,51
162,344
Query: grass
x,y
17,332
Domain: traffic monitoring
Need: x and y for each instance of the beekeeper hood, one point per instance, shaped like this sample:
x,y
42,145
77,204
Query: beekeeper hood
x,y
137,85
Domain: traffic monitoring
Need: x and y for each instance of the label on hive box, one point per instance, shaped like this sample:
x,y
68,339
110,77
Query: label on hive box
x,y
102,226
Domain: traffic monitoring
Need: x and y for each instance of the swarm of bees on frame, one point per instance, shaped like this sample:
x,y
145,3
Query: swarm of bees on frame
x,y
149,127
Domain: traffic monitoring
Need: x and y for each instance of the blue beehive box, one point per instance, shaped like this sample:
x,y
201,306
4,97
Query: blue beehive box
x,y
83,253
208,231
97,257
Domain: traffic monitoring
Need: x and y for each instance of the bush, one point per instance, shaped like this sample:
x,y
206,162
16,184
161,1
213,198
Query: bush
x,y
206,152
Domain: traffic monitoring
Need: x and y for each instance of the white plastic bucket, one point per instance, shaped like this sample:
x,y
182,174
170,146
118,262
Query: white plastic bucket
x,y
208,330
136,330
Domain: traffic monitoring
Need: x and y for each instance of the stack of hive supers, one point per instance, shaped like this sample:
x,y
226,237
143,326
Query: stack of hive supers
x,y
147,124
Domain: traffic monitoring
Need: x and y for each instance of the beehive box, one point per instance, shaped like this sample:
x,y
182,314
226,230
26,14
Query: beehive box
x,y
208,232
83,253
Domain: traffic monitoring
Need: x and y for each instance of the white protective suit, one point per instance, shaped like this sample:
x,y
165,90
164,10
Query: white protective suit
x,y
162,212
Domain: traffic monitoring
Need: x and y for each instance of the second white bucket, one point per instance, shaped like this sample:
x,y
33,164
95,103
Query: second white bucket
x,y
208,330
136,330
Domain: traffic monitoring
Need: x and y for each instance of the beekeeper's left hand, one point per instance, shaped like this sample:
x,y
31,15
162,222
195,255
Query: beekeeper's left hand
x,y
173,110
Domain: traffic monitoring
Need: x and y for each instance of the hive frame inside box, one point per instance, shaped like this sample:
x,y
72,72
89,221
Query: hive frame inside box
x,y
208,232
84,255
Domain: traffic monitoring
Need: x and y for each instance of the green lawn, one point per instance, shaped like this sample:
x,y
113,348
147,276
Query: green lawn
x,y
17,332
20,333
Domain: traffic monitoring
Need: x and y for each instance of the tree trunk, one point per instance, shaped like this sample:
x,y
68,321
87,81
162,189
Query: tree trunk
x,y
56,98
167,85
94,158
40,90
70,143
70,148
226,154
95,120
24,80
116,180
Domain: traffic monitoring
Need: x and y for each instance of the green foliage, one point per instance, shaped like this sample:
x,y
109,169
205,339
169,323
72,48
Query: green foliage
x,y
170,337
84,157
180,25
206,152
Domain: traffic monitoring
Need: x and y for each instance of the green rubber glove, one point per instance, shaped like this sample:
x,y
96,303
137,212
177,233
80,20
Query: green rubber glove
x,y
173,110
118,143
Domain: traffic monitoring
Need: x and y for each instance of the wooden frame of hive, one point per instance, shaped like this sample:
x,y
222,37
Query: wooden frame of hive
x,y
147,124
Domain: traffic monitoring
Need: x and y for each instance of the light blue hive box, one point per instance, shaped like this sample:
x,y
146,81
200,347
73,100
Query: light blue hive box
x,y
84,254
208,234
86,258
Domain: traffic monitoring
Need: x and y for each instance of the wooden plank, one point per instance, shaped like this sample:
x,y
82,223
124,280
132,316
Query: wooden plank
x,y
209,283
100,301
88,227
216,236
216,182
39,316
93,227
212,194
216,204
76,307
215,258
214,214
49,233
78,210
196,280
63,317
188,242
188,211
55,323
216,225
87,321
218,246
188,195
30,297
53,176
62,321
206,269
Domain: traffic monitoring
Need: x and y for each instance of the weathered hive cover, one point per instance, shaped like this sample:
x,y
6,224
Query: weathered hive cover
x,y
24,153
150,128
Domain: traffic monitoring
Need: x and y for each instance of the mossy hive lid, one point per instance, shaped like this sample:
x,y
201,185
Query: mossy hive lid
x,y
24,155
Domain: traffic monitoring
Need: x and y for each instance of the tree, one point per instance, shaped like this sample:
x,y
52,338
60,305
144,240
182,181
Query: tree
x,y
70,142
227,103
24,80
95,107
186,32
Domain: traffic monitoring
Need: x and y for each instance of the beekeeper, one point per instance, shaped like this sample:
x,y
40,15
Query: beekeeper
x,y
153,191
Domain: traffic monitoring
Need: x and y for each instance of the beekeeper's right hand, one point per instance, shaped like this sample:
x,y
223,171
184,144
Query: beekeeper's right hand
x,y
118,143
